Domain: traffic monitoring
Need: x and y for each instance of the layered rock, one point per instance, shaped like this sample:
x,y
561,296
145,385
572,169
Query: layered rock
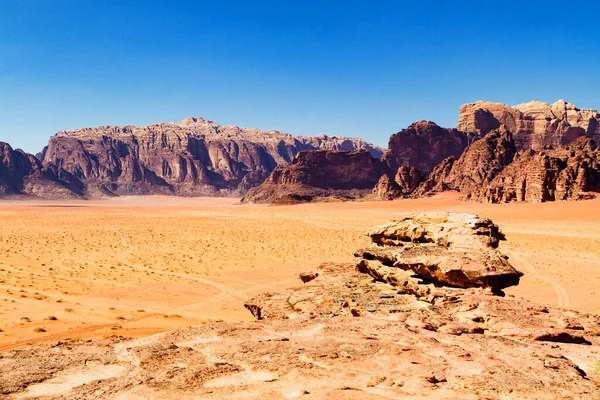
x,y
448,248
404,183
567,173
534,124
192,157
320,175
24,174
423,145
475,168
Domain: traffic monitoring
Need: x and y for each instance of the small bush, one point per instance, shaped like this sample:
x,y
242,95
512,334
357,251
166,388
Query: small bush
x,y
51,318
39,330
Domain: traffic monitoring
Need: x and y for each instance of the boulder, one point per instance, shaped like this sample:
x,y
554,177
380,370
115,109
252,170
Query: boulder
x,y
448,248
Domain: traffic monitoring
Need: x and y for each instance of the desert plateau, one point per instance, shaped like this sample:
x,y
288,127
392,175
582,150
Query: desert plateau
x,y
135,266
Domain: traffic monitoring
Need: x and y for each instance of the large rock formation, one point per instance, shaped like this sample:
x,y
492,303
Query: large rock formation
x,y
448,248
476,167
24,174
567,173
423,145
192,157
341,335
533,125
321,174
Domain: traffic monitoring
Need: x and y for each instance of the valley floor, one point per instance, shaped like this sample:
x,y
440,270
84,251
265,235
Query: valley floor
x,y
136,266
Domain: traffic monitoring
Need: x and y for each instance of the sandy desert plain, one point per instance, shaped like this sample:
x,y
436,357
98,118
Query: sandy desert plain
x,y
135,266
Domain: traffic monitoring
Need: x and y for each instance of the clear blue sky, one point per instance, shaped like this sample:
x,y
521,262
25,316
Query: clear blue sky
x,y
355,68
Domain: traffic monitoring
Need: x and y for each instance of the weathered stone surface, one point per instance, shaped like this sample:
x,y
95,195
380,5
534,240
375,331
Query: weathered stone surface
x,y
24,174
533,125
423,145
449,248
192,157
570,172
320,175
476,167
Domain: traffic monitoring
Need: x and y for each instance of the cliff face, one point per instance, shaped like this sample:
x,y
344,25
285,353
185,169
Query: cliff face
x,y
534,124
22,173
570,172
319,174
476,167
193,157
423,145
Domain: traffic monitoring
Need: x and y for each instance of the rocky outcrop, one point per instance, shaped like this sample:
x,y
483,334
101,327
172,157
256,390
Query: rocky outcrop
x,y
533,125
475,168
192,157
567,173
342,335
448,248
24,174
405,182
423,145
320,175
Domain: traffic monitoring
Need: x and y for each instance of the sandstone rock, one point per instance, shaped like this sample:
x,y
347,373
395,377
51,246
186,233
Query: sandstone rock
x,y
534,124
567,173
476,167
405,182
320,175
448,248
423,145
24,174
192,157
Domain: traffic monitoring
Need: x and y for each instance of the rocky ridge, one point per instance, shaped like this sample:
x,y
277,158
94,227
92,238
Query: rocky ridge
x,y
570,172
192,157
320,174
533,125
24,174
345,334
475,168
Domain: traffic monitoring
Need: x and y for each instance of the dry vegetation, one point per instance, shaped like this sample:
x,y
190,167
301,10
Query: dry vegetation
x,y
155,264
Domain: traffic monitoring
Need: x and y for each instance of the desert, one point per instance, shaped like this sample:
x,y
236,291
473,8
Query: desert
x,y
135,266
298,200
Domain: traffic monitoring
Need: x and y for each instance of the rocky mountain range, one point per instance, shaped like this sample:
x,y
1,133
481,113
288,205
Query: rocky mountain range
x,y
497,154
199,157
421,313
190,158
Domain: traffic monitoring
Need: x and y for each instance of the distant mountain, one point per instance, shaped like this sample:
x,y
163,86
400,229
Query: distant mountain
x,y
24,174
533,125
193,157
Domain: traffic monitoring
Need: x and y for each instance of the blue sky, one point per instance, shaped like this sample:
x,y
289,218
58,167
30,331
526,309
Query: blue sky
x,y
354,68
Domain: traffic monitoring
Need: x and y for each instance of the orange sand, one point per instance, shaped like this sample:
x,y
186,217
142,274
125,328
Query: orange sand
x,y
141,265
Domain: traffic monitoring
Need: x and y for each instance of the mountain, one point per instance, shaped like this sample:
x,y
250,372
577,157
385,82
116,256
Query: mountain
x,y
423,145
320,174
568,172
475,168
533,125
24,174
192,157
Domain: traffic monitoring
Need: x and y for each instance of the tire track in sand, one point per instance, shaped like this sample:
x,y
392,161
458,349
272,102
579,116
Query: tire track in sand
x,y
563,299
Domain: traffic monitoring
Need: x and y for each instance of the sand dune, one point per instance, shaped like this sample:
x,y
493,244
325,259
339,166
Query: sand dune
x,y
140,265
